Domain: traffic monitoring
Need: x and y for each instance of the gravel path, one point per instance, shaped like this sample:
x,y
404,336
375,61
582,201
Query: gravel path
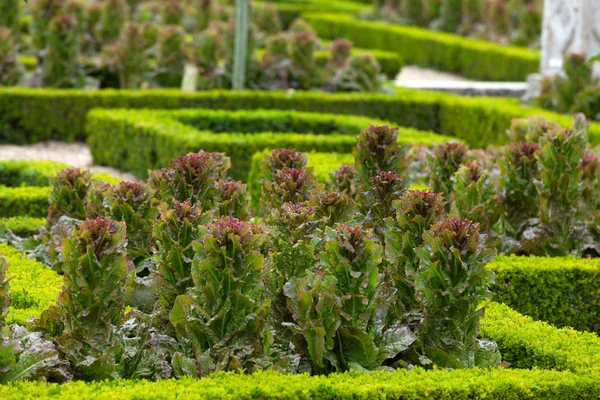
x,y
75,154
412,73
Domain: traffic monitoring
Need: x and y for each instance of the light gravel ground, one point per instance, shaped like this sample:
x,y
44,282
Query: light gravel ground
x,y
411,73
75,154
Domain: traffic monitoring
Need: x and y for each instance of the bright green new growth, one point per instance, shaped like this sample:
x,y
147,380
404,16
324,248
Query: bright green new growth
x,y
91,304
222,316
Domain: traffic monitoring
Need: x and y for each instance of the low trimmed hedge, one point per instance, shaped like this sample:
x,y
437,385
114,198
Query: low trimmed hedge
x,y
562,291
21,226
33,286
138,141
25,186
475,59
574,356
16,173
478,121
28,201
525,343
289,10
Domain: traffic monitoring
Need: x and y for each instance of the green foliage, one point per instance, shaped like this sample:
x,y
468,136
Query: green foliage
x,y
170,59
416,212
134,204
61,68
112,20
377,150
291,185
376,202
315,310
91,303
21,226
223,316
451,283
34,286
472,58
556,290
560,186
127,56
445,162
24,201
474,196
10,67
518,173
175,232
192,177
67,198
172,13
234,199
473,120
4,293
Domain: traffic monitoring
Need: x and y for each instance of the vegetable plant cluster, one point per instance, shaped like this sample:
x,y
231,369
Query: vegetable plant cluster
x,y
175,277
134,44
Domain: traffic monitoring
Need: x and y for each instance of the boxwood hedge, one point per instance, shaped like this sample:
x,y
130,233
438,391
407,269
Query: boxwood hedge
x,y
478,121
573,356
137,141
472,58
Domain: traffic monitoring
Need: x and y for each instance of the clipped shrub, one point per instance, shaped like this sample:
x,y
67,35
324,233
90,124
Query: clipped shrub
x,y
222,317
451,283
4,297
